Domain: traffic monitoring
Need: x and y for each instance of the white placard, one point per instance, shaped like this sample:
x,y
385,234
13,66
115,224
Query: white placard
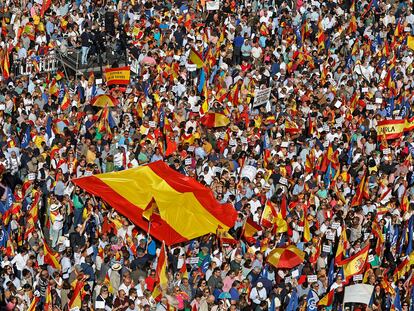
x,y
244,140
338,104
249,172
370,107
370,258
190,149
326,128
326,248
295,273
2,107
330,236
312,278
151,123
100,305
89,250
407,29
284,144
261,96
188,161
366,235
364,90
283,181
191,67
192,260
335,225
340,120
288,279
357,277
212,5
386,151
31,176
98,81
378,100
360,293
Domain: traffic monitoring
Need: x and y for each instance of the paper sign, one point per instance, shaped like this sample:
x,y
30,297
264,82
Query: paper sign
x,y
378,100
366,236
357,277
261,96
31,176
386,151
370,107
190,149
330,236
192,260
2,107
312,278
295,273
66,243
326,248
188,161
335,225
364,90
370,258
212,5
244,140
191,67
326,127
338,104
89,250
407,29
249,172
284,144
283,181
151,123
288,279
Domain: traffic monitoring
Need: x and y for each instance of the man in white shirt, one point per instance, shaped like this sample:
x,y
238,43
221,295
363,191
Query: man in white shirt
x,y
258,294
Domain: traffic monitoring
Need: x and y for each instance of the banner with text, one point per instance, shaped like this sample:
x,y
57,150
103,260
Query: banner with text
x,y
261,96
393,129
119,75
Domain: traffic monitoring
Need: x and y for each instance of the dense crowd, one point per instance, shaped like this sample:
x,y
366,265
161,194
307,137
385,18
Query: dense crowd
x,y
310,153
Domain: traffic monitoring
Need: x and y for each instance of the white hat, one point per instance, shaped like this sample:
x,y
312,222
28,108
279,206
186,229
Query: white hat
x,y
116,267
54,207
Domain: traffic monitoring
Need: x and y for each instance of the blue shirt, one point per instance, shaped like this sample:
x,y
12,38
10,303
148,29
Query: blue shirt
x,y
238,41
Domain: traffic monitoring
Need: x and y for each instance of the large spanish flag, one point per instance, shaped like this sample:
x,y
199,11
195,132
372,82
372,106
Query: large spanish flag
x,y
50,257
215,119
196,58
119,75
185,208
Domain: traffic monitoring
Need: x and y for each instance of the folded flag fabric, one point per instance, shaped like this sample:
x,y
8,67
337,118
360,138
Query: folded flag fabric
x,y
214,119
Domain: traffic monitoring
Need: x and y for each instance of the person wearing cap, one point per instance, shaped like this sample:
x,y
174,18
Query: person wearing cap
x,y
258,295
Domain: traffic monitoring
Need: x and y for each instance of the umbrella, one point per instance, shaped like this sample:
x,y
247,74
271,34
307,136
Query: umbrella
x,y
286,257
104,101
148,61
224,295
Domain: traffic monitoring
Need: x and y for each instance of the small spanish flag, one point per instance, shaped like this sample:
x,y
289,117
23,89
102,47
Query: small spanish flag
x,y
327,300
50,257
161,271
250,229
76,300
33,304
214,119
196,58
65,104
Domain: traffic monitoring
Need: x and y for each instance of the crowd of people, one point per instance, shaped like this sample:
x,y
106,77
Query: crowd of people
x,y
310,152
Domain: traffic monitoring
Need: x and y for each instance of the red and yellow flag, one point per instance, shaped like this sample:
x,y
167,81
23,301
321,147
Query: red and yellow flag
x,y
196,58
33,304
50,257
327,300
342,247
250,228
48,299
6,65
161,271
119,75
180,200
76,300
361,192
214,119
355,264
269,215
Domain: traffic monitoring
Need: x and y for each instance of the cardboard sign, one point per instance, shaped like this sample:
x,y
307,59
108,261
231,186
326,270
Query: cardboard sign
x,y
261,97
312,278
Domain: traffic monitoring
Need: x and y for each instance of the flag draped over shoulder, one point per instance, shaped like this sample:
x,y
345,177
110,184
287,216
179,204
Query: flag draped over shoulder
x,y
185,208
